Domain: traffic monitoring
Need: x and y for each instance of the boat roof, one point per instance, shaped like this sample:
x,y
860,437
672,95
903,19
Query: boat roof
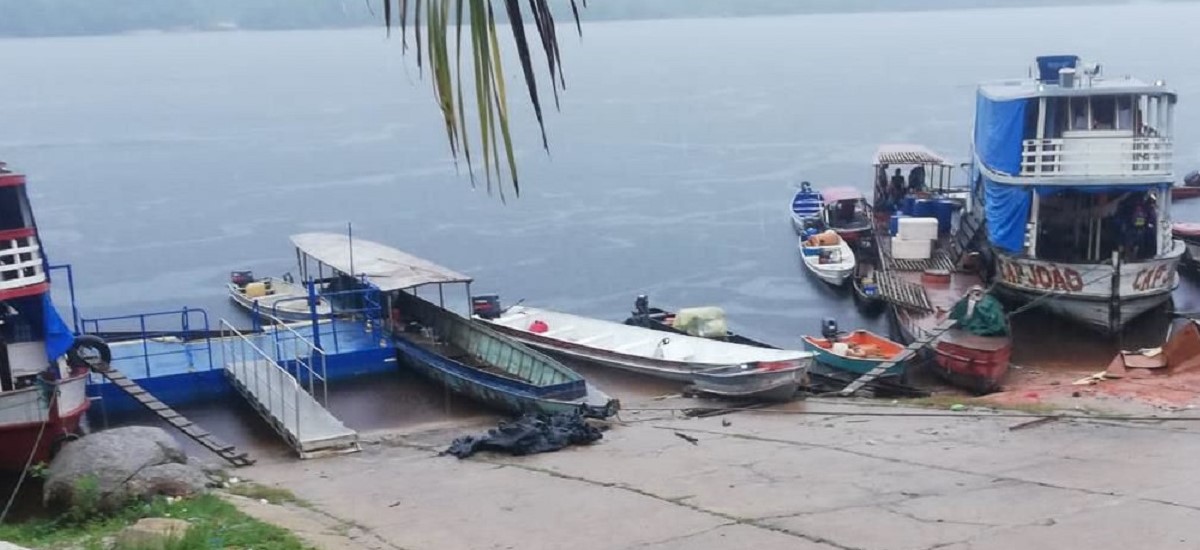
x,y
838,194
907,153
1005,90
384,266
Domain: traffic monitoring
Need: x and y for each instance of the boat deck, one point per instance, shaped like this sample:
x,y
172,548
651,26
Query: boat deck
x,y
459,355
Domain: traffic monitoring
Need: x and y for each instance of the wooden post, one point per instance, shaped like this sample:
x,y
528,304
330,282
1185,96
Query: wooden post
x,y
1114,305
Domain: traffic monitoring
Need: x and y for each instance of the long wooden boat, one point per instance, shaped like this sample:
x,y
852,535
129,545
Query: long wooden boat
x,y
829,257
858,352
867,296
926,291
822,379
472,360
711,365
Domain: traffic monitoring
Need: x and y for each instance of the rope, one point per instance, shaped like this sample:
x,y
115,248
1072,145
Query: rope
x,y
29,462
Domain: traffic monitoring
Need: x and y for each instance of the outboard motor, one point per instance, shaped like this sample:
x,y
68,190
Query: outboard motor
x,y
486,306
641,306
829,329
241,278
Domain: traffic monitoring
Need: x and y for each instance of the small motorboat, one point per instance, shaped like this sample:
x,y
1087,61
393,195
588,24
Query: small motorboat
x,y
712,366
847,212
857,352
806,208
822,378
828,256
867,296
280,298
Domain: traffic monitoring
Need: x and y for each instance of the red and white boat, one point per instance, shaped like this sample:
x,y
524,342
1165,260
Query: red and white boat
x,y
42,397
846,211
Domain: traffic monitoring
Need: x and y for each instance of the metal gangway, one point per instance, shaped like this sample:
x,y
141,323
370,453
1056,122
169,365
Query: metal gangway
x,y
287,386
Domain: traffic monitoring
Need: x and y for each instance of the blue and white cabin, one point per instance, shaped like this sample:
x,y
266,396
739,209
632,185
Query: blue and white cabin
x,y
1074,170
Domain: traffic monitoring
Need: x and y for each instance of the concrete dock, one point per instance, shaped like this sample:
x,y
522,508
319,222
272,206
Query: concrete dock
x,y
818,476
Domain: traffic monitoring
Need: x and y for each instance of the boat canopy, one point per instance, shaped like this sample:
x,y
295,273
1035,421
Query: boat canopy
x,y
839,194
383,266
904,153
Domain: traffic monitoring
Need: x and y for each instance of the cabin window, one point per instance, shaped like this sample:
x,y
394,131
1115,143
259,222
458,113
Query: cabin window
x,y
1079,113
1104,113
1081,227
14,210
1124,112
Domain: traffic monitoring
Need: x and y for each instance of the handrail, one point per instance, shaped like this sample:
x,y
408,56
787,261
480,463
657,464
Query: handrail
x,y
145,334
303,346
241,364
1097,156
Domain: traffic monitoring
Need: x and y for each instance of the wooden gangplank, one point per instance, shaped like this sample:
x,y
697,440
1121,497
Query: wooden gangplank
x,y
189,428
909,352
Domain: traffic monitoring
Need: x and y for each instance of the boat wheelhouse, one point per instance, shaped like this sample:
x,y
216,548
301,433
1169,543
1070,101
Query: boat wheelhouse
x,y
42,398
1074,170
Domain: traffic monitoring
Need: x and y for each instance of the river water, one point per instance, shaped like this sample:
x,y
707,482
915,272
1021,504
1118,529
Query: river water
x,y
159,163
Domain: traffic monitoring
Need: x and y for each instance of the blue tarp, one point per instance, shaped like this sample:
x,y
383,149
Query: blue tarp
x,y
58,335
1007,214
999,130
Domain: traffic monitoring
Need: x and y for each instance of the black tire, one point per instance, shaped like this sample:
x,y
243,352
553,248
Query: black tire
x,y
90,350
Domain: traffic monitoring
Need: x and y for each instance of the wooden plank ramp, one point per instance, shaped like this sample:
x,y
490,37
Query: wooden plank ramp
x,y
902,293
909,352
189,428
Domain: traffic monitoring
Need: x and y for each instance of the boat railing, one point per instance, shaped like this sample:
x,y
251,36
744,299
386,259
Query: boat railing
x,y
1097,156
192,340
21,261
263,377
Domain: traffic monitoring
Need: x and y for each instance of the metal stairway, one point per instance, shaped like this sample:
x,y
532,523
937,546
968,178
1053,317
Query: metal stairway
x,y
279,396
190,429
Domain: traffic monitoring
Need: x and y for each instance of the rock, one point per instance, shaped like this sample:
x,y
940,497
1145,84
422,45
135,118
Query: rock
x,y
152,533
10,546
176,480
107,469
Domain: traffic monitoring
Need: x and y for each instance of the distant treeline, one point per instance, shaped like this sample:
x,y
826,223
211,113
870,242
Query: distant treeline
x,y
80,17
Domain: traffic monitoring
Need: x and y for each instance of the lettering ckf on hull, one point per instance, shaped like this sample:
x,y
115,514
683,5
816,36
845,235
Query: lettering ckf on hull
x,y
1092,280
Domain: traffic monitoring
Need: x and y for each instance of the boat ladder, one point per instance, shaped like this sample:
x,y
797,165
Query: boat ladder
x,y
909,352
189,428
281,398
961,241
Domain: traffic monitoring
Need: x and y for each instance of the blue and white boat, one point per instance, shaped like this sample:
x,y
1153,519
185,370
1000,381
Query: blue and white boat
x,y
1074,172
806,208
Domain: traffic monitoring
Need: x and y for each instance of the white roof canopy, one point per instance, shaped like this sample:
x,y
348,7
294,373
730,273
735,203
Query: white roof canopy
x,y
384,266
903,153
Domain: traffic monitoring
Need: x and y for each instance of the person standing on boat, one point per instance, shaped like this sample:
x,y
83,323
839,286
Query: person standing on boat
x,y
916,179
897,187
881,185
1138,227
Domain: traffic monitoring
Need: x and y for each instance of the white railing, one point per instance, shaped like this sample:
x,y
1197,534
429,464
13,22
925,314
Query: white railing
x,y
310,360
20,263
1097,156
276,390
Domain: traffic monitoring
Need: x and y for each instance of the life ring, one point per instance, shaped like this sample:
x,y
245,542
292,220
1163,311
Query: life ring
x,y
97,347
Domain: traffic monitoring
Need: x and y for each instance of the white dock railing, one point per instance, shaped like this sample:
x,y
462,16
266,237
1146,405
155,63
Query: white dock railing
x,y
281,399
1097,156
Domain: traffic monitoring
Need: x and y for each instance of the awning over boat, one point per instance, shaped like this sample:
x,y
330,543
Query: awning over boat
x,y
839,194
999,133
904,153
384,266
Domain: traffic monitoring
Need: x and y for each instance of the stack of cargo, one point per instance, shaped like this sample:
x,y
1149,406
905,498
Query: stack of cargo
x,y
914,238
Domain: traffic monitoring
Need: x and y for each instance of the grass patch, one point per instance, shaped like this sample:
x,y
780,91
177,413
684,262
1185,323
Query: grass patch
x,y
273,495
215,524
947,401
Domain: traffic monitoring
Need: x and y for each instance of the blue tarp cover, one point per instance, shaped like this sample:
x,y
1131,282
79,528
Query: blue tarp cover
x,y
999,130
1007,214
58,336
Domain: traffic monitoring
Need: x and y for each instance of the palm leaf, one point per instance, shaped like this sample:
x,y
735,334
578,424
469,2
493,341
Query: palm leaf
x,y
491,98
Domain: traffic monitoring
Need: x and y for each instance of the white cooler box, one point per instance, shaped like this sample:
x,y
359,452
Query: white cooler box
x,y
917,229
906,249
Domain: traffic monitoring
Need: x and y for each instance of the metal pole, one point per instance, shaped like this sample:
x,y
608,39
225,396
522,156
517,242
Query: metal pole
x,y
350,236
1114,306
441,297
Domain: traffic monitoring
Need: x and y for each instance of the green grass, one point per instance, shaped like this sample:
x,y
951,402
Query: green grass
x,y
273,495
215,524
947,401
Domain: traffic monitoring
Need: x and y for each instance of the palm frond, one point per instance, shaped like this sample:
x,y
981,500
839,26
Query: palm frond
x,y
491,98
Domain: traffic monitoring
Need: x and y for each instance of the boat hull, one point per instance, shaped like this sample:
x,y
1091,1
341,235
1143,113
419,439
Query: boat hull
x,y
734,382
847,364
294,307
976,363
1084,293
835,274
29,428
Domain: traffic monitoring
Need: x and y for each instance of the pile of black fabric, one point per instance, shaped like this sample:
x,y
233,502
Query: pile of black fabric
x,y
532,433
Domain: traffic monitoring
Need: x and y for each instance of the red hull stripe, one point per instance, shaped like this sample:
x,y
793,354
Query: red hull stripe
x,y
7,180
16,233
24,291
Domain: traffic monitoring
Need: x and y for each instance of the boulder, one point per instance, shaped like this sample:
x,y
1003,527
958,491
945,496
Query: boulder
x,y
10,546
108,469
152,533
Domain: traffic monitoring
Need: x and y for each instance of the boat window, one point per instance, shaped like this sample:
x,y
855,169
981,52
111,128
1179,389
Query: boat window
x,y
14,210
1125,112
1079,113
1079,227
1056,117
1104,113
